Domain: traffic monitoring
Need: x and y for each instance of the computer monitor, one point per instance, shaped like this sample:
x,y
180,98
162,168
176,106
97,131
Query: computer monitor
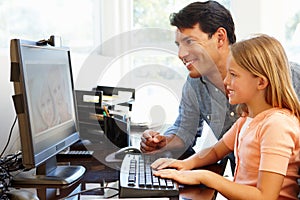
x,y
45,105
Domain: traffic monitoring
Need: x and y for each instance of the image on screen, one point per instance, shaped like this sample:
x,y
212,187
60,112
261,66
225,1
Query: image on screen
x,y
48,96
49,102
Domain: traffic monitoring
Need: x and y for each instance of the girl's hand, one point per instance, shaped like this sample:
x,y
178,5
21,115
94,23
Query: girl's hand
x,y
186,177
163,163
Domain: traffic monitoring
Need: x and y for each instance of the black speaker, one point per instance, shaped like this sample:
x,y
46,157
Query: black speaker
x,y
117,131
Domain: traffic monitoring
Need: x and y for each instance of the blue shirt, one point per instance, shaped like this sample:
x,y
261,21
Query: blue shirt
x,y
202,101
295,71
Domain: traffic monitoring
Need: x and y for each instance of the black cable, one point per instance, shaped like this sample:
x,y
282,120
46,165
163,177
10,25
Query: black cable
x,y
9,137
8,164
112,196
11,162
93,189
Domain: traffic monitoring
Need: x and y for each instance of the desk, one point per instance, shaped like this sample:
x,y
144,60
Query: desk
x,y
99,171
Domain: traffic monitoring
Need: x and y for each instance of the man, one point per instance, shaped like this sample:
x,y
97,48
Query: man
x,y
205,31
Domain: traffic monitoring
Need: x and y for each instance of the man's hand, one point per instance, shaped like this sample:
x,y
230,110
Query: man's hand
x,y
152,141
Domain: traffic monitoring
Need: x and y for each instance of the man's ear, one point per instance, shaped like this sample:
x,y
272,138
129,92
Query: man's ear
x,y
221,34
262,83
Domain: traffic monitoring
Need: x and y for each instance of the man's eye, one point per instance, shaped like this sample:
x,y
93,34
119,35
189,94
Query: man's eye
x,y
189,41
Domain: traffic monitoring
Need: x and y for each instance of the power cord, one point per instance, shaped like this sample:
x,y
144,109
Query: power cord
x,y
8,164
93,189
5,180
9,137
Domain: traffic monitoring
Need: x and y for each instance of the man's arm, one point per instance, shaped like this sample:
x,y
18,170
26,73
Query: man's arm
x,y
295,72
181,135
189,121
152,141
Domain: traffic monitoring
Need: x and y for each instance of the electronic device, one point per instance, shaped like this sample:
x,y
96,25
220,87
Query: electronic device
x,y
76,154
120,154
45,105
112,91
117,131
137,180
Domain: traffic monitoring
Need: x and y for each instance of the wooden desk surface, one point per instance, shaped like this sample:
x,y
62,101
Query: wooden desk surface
x,y
98,171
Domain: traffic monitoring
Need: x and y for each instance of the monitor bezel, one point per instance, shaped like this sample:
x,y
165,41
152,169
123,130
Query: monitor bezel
x,y
30,159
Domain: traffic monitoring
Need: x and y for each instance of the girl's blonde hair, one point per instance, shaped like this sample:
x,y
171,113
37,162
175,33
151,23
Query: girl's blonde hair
x,y
264,56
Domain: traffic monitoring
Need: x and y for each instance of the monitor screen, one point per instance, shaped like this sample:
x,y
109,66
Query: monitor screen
x,y
44,101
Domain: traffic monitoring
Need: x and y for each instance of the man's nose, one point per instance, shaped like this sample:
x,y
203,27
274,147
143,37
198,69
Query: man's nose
x,y
182,52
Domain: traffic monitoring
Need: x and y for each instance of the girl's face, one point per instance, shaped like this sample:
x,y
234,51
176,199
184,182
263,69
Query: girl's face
x,y
57,92
241,85
46,108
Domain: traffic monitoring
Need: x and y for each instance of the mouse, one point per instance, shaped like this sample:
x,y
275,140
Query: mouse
x,y
120,154
21,195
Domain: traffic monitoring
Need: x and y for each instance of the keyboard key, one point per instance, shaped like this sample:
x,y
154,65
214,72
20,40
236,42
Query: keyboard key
x,y
148,180
162,183
155,181
169,183
131,179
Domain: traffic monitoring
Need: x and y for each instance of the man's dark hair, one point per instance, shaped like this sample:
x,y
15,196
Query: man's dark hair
x,y
210,15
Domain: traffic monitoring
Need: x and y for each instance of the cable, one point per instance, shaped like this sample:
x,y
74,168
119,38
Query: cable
x,y
9,163
9,137
112,196
89,190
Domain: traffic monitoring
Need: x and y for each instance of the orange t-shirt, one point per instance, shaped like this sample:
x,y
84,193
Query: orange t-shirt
x,y
271,142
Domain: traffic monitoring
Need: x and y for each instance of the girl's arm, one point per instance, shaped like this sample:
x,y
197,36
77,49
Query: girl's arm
x,y
208,156
205,157
268,187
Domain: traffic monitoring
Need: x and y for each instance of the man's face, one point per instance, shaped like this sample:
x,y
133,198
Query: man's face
x,y
196,50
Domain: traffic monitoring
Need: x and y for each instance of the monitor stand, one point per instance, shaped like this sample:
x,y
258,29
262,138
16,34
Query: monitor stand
x,y
49,173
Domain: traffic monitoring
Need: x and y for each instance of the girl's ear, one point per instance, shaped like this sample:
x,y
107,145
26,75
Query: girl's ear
x,y
262,83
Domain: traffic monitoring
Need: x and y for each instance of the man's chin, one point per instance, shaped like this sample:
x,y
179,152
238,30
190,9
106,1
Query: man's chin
x,y
194,75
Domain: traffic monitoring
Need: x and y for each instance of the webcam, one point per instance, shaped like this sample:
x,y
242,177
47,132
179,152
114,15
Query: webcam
x,y
54,41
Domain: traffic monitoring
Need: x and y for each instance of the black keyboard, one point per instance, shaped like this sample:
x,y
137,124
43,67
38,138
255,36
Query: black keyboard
x,y
76,153
136,179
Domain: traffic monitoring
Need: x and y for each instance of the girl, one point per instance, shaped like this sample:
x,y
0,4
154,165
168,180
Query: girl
x,y
266,137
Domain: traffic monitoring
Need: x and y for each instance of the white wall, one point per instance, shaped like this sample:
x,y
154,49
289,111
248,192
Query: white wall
x,y
7,112
116,18
259,16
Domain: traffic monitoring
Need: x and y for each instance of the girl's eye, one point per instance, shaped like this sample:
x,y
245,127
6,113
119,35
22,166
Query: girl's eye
x,y
232,74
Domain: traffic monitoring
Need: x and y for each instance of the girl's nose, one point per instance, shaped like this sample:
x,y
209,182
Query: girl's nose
x,y
226,79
